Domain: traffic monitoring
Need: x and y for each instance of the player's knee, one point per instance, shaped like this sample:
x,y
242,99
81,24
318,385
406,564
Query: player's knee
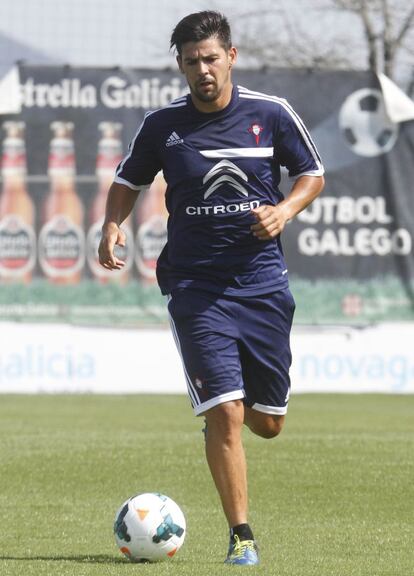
x,y
275,427
226,418
269,427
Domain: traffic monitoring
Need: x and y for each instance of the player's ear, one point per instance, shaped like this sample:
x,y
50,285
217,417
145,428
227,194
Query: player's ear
x,y
180,63
232,55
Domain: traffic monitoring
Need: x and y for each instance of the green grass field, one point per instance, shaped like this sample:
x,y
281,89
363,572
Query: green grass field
x,y
332,496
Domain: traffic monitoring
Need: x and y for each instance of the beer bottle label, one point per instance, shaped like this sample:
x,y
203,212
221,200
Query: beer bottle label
x,y
17,247
13,160
61,157
150,240
61,247
125,253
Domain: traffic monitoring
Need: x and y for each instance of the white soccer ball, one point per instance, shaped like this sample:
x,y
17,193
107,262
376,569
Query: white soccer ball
x,y
364,123
149,527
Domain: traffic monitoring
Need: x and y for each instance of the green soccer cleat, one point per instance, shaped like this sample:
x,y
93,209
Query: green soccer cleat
x,y
242,552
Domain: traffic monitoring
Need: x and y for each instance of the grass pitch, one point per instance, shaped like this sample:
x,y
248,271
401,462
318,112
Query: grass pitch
x,y
332,496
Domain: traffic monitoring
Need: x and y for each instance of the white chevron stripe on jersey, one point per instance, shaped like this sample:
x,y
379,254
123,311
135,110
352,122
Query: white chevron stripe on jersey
x,y
230,181
224,165
238,153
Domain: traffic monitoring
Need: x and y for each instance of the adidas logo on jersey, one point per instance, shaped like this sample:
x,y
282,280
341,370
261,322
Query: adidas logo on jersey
x,y
173,139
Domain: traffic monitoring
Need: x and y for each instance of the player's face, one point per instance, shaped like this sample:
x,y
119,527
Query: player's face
x,y
207,67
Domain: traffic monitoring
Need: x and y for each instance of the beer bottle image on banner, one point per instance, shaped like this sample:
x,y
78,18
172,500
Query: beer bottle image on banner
x,y
61,239
108,158
17,212
151,233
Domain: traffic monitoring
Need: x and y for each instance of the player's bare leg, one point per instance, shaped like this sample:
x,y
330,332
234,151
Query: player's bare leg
x,y
226,458
261,424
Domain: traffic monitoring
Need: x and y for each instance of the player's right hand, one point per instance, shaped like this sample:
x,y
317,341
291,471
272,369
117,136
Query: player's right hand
x,y
112,236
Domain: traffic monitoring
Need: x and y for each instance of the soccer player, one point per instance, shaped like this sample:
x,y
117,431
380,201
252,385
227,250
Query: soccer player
x,y
221,149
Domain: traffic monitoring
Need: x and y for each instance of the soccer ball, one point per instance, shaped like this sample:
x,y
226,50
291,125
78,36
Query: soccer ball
x,y
364,123
149,527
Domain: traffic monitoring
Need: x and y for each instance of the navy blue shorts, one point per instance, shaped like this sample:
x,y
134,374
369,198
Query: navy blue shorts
x,y
234,348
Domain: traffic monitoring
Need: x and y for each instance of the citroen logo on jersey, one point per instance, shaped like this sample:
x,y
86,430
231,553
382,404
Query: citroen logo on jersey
x,y
224,172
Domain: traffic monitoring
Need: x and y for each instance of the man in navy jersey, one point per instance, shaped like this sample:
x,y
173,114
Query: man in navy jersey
x,y
221,149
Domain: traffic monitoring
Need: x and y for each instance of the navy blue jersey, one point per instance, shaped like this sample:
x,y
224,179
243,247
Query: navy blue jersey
x,y
218,167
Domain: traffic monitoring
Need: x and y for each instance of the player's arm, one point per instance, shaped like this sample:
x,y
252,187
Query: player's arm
x,y
295,150
119,204
271,220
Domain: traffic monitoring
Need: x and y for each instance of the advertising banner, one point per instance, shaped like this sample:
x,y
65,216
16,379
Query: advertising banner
x,y
70,359
349,254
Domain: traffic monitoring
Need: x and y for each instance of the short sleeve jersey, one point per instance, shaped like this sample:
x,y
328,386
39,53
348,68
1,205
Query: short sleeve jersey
x,y
218,167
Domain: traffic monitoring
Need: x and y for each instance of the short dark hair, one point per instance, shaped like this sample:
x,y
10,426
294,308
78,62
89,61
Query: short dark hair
x,y
200,26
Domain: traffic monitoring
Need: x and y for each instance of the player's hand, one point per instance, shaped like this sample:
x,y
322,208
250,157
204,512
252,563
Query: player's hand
x,y
112,236
270,221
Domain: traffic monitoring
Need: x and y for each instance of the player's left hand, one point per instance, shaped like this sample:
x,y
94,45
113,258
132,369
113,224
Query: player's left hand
x,y
112,235
271,220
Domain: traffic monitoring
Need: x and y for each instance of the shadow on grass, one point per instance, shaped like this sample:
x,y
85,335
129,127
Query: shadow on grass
x,y
82,559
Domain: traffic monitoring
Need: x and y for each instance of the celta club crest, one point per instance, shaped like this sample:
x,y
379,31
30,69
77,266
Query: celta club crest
x,y
256,130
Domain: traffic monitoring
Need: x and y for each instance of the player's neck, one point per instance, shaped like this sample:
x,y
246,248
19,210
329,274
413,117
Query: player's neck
x,y
220,103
